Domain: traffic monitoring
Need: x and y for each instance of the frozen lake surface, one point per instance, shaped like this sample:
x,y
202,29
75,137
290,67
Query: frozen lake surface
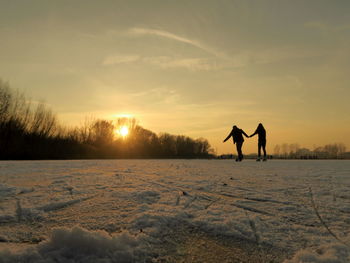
x,y
174,211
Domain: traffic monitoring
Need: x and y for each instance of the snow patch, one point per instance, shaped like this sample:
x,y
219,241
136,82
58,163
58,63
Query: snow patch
x,y
60,205
7,218
25,190
29,214
81,245
6,190
335,253
148,197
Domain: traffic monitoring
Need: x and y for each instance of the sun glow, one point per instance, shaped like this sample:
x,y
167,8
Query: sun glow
x,y
123,131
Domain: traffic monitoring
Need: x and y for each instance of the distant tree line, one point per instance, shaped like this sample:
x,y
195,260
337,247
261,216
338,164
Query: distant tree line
x,y
31,131
294,151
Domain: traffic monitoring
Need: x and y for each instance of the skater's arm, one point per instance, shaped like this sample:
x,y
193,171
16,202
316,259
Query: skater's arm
x,y
256,132
228,137
245,134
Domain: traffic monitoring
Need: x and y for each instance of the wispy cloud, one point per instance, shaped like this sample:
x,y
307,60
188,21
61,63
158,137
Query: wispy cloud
x,y
137,31
246,58
242,59
158,95
165,62
120,59
326,27
193,64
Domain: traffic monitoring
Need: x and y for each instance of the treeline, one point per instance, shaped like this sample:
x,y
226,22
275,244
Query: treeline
x,y
32,131
294,151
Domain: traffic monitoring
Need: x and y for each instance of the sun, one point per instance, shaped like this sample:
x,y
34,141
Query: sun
x,y
123,131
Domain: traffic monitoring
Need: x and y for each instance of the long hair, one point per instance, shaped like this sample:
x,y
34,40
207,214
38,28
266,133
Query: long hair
x,y
260,127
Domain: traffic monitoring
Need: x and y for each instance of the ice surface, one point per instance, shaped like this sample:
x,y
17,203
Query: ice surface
x,y
60,205
6,191
139,204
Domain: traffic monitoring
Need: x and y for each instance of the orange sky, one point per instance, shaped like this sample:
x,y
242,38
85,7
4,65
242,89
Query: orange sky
x,y
187,67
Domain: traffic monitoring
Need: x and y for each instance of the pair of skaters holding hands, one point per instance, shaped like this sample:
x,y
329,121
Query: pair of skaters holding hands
x,y
237,136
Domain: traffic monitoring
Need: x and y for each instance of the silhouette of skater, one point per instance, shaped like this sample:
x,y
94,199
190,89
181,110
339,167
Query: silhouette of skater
x,y
237,136
260,130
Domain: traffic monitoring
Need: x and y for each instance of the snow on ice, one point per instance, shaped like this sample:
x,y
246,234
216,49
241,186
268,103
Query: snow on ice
x,y
129,210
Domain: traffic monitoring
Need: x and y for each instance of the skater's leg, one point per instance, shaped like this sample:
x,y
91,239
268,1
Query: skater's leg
x,y
239,150
264,149
259,152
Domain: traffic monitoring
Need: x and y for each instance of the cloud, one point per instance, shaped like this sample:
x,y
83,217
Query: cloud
x,y
163,95
113,60
326,27
161,33
165,62
241,59
245,58
193,64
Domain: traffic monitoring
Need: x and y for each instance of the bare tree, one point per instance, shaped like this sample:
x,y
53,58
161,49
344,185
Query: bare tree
x,y
277,150
102,132
43,122
5,100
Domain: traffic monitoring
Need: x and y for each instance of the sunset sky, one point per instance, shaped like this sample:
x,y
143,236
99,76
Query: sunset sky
x,y
187,67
